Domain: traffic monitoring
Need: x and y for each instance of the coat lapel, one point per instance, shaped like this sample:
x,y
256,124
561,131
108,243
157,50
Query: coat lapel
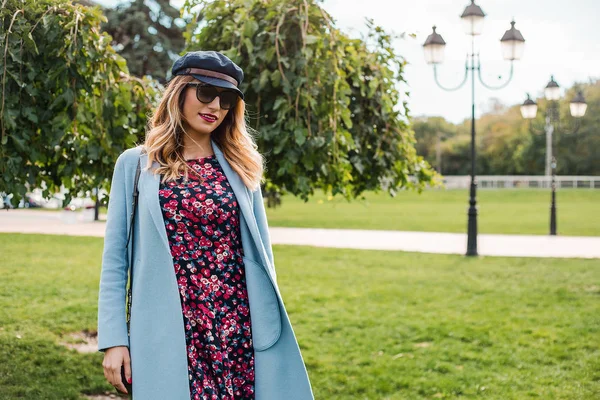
x,y
243,195
149,185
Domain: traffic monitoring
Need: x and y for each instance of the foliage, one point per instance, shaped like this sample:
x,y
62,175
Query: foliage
x,y
509,145
148,38
325,104
68,105
579,153
432,132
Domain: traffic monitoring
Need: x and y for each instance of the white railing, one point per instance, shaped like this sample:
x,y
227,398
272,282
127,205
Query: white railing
x,y
521,181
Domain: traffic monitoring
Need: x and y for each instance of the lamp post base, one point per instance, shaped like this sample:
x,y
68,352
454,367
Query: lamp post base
x,y
553,203
553,211
472,225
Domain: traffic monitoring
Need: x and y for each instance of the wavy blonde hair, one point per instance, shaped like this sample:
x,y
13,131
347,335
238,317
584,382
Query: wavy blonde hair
x,y
164,138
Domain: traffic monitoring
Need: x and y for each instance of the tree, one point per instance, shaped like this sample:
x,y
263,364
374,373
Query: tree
x,y
507,146
148,37
68,105
327,106
430,132
577,153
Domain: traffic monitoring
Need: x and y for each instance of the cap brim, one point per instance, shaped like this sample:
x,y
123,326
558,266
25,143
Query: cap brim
x,y
219,83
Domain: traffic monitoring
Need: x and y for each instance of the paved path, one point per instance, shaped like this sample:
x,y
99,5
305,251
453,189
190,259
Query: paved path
x,y
55,222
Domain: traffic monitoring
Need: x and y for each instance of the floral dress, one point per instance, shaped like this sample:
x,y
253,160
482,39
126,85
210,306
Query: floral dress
x,y
203,227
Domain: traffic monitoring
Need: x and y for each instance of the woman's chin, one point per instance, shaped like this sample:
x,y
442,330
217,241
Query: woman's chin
x,y
202,129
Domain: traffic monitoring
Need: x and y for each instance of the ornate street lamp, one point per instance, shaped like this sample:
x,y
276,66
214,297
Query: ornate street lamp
x,y
513,43
512,49
552,90
529,108
434,48
472,19
578,107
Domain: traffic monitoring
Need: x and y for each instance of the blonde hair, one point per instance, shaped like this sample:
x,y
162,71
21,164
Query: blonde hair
x,y
235,139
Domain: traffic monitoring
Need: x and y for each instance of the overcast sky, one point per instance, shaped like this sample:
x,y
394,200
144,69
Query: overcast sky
x,y
561,38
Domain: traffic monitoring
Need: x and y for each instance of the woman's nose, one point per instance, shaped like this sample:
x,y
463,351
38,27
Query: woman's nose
x,y
215,104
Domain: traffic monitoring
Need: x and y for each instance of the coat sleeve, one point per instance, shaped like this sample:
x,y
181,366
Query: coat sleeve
x,y
112,324
263,226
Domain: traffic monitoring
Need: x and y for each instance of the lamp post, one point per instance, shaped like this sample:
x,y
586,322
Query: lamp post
x,y
529,108
512,49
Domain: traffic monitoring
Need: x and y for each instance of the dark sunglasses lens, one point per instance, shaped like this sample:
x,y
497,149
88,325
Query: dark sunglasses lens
x,y
228,100
206,94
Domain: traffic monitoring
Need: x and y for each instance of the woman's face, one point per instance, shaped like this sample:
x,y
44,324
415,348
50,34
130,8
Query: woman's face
x,y
202,117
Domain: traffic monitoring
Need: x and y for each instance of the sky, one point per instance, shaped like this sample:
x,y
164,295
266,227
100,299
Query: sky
x,y
561,39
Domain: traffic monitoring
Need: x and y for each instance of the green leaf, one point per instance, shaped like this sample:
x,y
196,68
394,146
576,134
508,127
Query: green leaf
x,y
30,113
300,134
264,79
270,54
276,78
249,45
346,118
29,40
318,141
280,145
19,142
250,28
279,102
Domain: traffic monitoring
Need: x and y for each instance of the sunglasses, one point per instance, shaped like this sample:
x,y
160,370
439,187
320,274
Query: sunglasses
x,y
206,94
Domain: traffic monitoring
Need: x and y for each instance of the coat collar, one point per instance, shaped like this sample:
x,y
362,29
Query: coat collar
x,y
149,185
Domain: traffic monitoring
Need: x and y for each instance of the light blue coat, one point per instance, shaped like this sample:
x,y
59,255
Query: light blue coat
x,y
157,338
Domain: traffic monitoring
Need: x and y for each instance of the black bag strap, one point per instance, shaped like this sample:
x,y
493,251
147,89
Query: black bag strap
x,y
130,239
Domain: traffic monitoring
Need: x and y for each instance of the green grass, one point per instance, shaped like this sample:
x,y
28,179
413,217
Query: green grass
x,y
371,324
508,211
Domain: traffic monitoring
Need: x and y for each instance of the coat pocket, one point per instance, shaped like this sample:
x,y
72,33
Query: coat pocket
x,y
265,314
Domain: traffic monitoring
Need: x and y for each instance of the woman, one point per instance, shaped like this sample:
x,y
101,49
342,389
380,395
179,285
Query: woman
x,y
207,318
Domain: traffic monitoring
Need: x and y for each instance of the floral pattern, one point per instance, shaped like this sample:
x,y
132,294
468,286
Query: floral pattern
x,y
202,223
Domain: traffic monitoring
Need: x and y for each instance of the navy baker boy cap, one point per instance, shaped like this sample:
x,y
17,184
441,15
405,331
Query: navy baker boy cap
x,y
210,67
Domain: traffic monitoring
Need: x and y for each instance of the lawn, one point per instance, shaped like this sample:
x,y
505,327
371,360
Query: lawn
x,y
371,324
509,211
